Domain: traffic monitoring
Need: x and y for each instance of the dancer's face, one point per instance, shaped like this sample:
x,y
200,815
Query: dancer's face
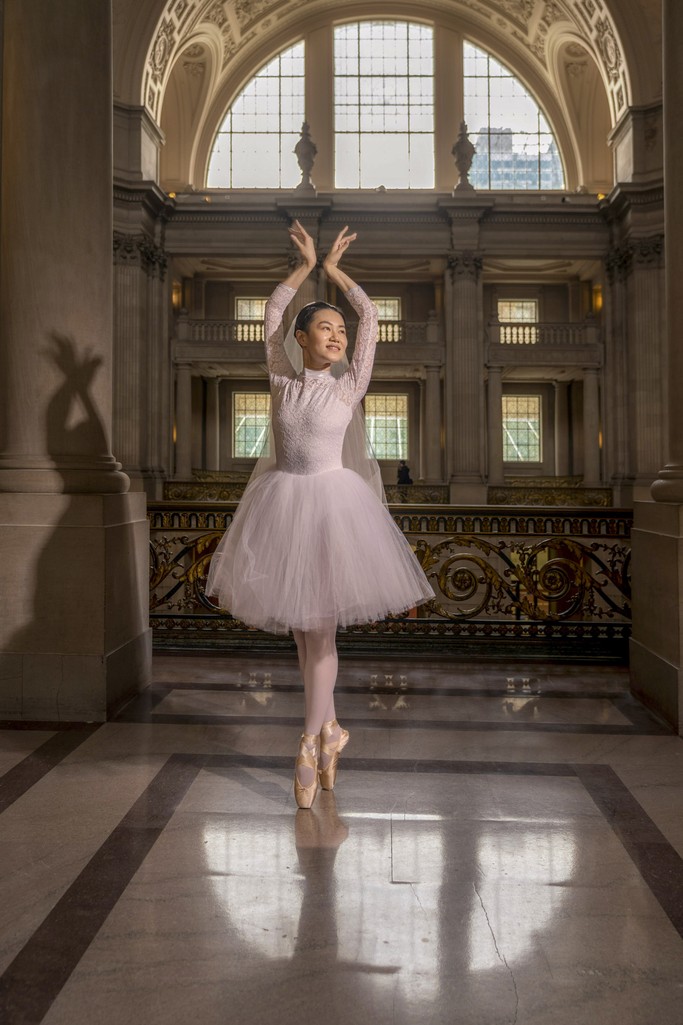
x,y
324,340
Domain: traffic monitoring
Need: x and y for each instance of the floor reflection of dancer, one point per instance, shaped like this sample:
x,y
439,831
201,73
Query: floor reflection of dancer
x,y
311,546
318,837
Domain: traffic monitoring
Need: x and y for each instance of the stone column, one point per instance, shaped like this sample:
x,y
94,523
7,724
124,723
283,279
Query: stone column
x,y
141,361
656,650
495,426
432,425
212,422
224,426
618,464
465,368
561,428
73,578
647,362
669,486
56,225
591,428
183,422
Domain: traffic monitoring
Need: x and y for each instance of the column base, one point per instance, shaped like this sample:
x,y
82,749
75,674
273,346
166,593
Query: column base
x,y
668,487
43,477
657,582
75,626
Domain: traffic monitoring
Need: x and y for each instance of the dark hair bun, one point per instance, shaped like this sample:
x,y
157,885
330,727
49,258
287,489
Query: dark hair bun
x,y
306,314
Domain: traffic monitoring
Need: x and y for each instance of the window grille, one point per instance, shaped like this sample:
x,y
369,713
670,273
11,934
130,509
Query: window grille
x,y
250,421
390,328
386,418
522,429
518,319
384,105
516,148
254,146
249,314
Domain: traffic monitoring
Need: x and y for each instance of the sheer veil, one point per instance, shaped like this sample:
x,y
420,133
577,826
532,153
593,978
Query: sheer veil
x,y
357,452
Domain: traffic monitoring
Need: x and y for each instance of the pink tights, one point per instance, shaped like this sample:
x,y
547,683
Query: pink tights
x,y
318,661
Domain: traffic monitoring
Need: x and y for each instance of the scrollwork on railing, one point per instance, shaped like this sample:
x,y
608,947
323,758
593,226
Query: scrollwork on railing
x,y
552,580
178,569
506,574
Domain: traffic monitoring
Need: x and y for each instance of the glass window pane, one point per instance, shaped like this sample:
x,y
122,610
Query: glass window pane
x,y
384,105
250,422
519,318
522,428
250,308
388,308
260,130
514,142
386,419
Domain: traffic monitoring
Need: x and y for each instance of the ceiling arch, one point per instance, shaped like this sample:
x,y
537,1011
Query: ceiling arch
x,y
611,31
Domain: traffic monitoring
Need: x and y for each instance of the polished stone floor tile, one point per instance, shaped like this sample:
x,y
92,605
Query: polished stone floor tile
x,y
467,899
155,870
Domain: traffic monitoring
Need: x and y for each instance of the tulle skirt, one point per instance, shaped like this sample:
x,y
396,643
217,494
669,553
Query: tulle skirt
x,y
307,551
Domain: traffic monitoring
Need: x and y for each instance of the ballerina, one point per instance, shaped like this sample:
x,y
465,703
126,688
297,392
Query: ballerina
x,y
311,546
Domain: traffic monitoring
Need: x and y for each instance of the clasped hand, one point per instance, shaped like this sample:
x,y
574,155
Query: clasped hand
x,y
304,243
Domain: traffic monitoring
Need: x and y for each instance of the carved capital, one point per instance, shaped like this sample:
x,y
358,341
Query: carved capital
x,y
648,251
618,262
642,252
140,251
465,265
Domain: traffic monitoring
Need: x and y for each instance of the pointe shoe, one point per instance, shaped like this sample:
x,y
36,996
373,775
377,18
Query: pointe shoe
x,y
307,758
333,748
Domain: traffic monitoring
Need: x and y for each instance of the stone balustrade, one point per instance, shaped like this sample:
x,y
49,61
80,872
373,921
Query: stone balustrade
x,y
556,334
239,332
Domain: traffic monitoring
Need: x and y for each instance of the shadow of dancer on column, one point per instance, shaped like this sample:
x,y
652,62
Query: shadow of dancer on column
x,y
87,436
64,632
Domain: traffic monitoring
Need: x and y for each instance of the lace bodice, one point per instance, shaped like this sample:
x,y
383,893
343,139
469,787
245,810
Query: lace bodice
x,y
312,410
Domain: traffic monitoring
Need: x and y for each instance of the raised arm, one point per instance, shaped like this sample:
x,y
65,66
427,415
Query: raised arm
x,y
360,368
276,357
357,377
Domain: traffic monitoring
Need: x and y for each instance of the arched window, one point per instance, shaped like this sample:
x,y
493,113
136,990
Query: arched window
x,y
384,105
255,143
516,148
381,118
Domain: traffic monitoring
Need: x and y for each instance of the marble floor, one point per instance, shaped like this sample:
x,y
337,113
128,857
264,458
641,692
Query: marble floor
x,y
504,845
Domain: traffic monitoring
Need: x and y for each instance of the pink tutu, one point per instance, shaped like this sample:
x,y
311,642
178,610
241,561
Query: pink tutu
x,y
305,550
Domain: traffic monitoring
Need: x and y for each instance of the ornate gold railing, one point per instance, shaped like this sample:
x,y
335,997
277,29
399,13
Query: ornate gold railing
x,y
507,582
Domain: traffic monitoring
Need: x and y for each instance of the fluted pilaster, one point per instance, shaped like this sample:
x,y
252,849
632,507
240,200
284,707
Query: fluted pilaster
x,y
432,425
465,370
212,424
495,425
591,428
141,358
183,422
561,428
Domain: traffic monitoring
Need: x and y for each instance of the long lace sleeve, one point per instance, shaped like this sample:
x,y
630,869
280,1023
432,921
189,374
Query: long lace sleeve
x,y
276,357
357,377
